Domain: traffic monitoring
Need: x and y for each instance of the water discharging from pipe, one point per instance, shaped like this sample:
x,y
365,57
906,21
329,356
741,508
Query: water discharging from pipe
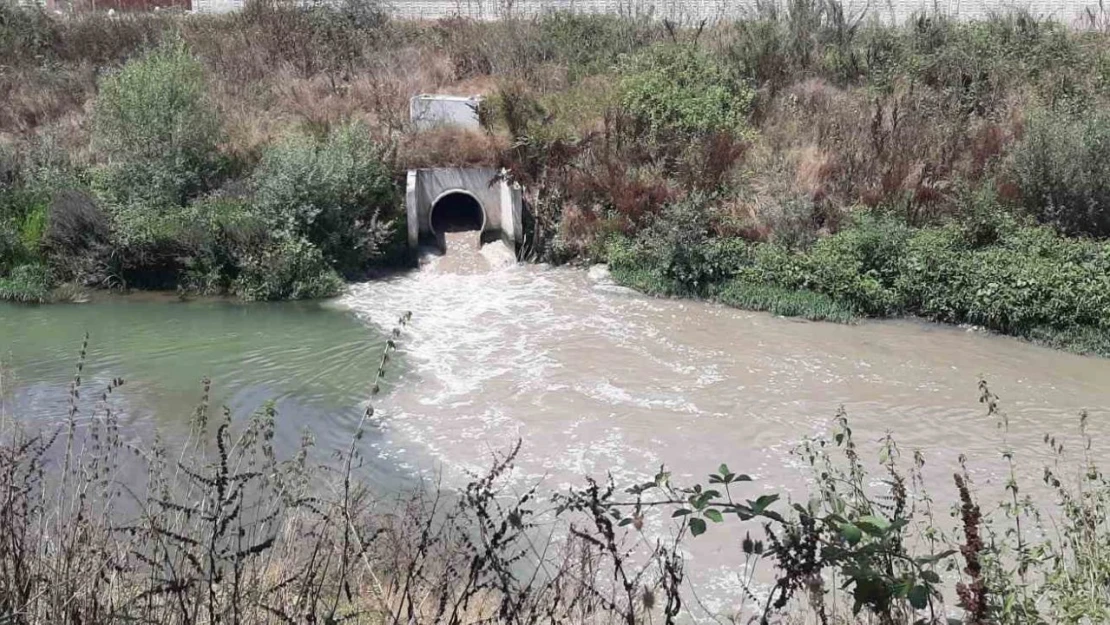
x,y
595,379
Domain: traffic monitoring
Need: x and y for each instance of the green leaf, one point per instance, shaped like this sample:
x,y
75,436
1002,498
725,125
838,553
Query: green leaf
x,y
919,597
697,526
714,515
680,512
874,525
723,469
851,533
760,504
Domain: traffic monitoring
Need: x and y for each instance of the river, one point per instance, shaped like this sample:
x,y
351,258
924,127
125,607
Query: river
x,y
593,379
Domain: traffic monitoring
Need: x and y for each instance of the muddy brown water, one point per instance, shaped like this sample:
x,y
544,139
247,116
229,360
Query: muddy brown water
x,y
592,378
595,379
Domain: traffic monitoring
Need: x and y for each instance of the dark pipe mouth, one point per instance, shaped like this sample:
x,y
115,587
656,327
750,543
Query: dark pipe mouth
x,y
457,212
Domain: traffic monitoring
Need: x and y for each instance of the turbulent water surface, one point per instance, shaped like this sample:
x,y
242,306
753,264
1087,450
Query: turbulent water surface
x,y
592,378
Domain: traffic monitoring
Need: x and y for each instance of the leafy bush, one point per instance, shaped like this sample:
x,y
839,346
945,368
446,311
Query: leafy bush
x,y
793,221
673,89
676,254
1027,281
25,32
1032,279
22,223
11,250
158,130
1063,167
286,269
337,194
858,265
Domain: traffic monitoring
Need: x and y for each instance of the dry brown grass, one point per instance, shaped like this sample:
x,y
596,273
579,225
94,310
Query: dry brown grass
x,y
449,147
35,97
908,148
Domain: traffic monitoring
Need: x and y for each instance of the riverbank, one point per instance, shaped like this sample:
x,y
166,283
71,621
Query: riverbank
x,y
1015,279
261,154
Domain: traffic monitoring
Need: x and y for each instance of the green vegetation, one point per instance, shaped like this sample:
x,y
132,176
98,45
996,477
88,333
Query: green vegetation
x,y
1023,280
1062,165
332,192
675,91
157,130
808,161
785,302
26,283
164,207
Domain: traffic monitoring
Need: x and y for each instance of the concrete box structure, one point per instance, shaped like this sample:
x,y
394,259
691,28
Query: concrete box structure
x,y
439,189
428,111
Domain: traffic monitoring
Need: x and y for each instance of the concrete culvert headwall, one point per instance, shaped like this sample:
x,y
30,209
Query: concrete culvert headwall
x,y
453,199
457,211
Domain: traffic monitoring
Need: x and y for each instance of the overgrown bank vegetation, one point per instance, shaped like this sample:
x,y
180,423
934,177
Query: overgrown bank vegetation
x,y
98,526
803,160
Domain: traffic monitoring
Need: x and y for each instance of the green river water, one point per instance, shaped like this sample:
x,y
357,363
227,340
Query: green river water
x,y
314,360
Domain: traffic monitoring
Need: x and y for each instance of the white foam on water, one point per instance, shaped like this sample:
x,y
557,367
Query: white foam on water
x,y
595,380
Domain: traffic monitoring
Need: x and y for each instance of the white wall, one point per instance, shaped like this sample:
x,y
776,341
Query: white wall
x,y
898,10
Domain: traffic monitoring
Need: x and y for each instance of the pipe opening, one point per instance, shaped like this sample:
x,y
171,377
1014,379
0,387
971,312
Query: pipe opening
x,y
457,212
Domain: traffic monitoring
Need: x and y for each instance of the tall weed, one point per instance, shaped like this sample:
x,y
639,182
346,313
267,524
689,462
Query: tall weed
x,y
1061,166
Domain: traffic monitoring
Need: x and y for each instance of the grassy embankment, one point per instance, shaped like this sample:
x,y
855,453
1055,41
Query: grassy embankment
x,y
802,161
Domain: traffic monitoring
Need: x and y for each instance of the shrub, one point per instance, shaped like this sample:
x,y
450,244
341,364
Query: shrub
x,y
858,265
793,221
287,269
11,250
22,221
677,252
337,194
789,40
592,44
1062,165
158,129
26,33
1027,281
77,236
26,283
673,89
